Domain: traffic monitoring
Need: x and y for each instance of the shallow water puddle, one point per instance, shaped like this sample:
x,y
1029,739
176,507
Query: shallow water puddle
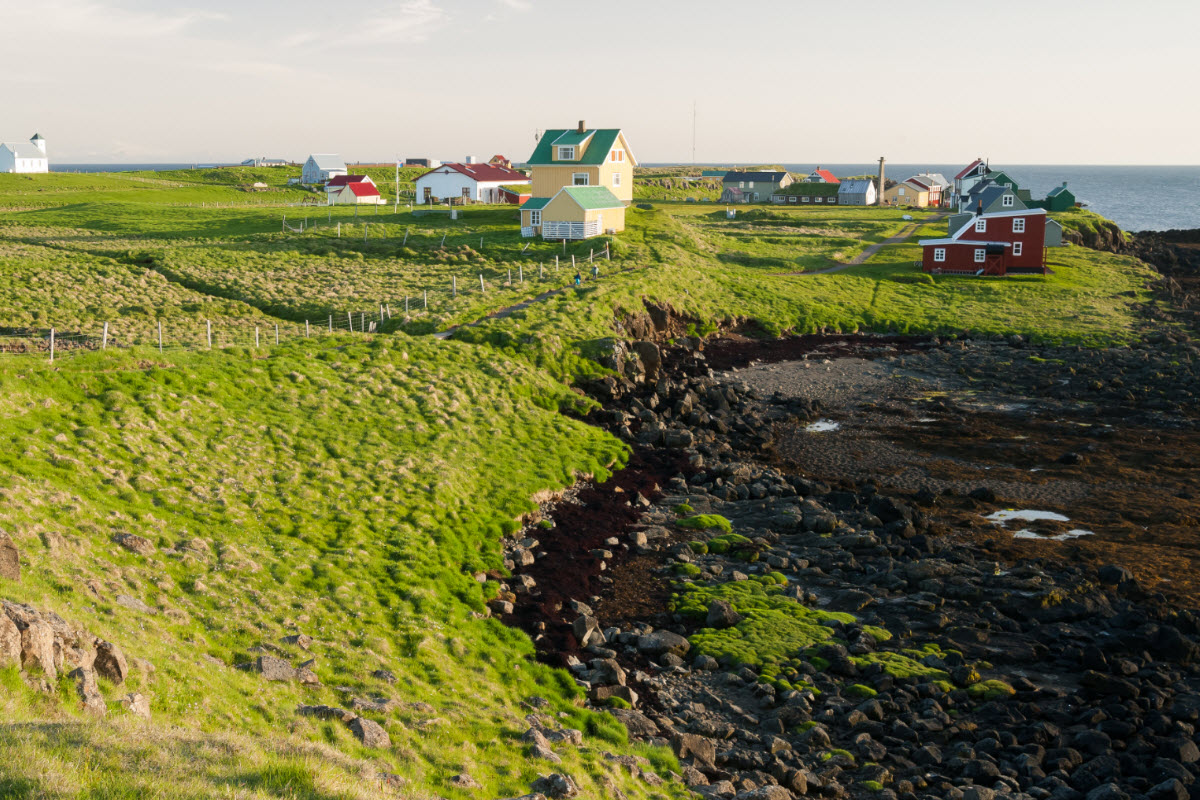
x,y
822,426
1061,537
1025,515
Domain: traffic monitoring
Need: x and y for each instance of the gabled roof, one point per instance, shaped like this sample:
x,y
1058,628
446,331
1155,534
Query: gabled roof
x,y
977,162
765,177
918,182
536,203
363,189
825,175
592,198
934,179
486,173
601,142
23,149
989,194
1057,190
328,161
343,180
855,186
956,238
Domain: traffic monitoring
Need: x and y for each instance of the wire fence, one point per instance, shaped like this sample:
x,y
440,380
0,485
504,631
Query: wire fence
x,y
205,334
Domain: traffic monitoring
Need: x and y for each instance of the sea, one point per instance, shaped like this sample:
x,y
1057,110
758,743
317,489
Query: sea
x,y
1136,198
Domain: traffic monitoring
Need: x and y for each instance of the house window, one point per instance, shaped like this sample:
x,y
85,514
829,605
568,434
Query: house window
x,y
579,179
1007,202
616,179
741,184
566,154
804,199
1017,247
535,218
980,255
1018,225
616,155
939,254
981,226
751,184
901,191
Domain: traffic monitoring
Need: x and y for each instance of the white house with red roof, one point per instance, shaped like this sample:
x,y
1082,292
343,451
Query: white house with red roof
x,y
352,190
821,175
475,183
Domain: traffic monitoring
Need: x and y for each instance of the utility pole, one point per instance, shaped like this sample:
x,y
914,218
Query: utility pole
x,y
396,207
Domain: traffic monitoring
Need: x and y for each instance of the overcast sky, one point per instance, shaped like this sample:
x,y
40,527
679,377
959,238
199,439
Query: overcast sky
x,y
795,81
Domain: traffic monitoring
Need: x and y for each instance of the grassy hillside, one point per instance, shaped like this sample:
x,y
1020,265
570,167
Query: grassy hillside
x,y
349,491
354,489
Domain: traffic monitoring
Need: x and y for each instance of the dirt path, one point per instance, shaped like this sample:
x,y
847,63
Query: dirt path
x,y
871,250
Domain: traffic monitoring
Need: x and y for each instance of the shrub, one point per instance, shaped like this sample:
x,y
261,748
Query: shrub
x,y
706,522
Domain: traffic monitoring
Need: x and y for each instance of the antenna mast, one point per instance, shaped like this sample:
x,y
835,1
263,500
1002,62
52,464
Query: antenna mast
x,y
693,133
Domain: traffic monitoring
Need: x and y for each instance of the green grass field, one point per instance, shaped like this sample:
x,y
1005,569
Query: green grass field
x,y
352,488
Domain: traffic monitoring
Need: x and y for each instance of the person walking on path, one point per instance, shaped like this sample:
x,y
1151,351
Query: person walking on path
x,y
595,270
578,280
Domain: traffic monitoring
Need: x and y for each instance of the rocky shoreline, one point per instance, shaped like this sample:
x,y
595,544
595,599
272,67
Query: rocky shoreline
x,y
798,635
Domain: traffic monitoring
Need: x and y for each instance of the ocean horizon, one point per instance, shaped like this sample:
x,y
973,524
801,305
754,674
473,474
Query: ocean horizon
x,y
1136,197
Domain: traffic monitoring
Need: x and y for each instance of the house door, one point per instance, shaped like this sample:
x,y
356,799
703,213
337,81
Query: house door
x,y
428,194
994,265
600,222
466,193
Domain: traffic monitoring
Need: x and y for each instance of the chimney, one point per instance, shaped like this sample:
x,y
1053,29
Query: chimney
x,y
879,196
582,127
979,209
1064,184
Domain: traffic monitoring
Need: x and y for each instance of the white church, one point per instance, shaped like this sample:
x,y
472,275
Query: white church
x,y
23,157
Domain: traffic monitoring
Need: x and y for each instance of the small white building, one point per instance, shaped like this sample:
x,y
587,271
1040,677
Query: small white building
x,y
320,167
857,192
479,183
24,157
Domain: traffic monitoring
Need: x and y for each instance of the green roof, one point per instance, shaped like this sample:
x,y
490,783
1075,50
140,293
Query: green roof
x,y
810,189
535,203
1057,190
573,137
591,198
602,140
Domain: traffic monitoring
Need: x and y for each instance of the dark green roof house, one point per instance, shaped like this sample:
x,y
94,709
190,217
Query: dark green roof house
x,y
801,193
1060,198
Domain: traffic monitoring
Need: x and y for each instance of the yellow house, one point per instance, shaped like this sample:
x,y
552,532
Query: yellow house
x,y
574,212
583,157
909,193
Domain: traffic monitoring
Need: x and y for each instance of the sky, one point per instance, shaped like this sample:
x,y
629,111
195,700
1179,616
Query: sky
x,y
771,81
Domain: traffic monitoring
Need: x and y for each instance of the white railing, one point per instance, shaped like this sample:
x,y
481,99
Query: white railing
x,y
570,230
527,231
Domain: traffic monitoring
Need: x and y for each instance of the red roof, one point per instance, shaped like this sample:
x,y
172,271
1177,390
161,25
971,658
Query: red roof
x,y
345,180
826,175
488,173
969,167
363,189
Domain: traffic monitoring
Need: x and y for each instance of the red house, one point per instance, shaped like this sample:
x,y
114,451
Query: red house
x,y
1001,243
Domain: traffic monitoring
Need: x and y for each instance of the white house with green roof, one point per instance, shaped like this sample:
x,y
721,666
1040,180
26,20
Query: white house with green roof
x,y
583,156
574,212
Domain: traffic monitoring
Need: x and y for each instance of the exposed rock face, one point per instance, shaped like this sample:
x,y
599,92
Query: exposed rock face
x,y
137,704
37,649
89,692
134,544
370,733
274,669
555,785
110,662
10,642
10,559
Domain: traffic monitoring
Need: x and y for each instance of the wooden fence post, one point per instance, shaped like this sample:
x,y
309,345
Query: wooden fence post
x,y
350,320
52,345
406,305
256,337
331,323
104,342
276,333
482,288
362,321
208,325
305,329
389,308
160,337
510,276
454,285
521,273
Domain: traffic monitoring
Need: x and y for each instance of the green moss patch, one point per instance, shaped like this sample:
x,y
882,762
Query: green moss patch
x,y
706,522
